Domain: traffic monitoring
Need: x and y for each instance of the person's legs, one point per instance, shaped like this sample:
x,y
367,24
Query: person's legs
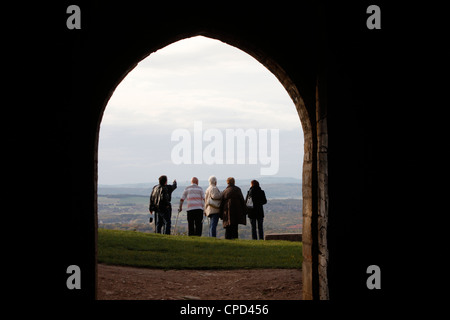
x,y
253,223
159,221
260,228
228,233
155,216
234,231
167,219
190,219
198,222
214,219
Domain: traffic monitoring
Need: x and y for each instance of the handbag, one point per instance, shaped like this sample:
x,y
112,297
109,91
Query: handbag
x,y
214,203
249,202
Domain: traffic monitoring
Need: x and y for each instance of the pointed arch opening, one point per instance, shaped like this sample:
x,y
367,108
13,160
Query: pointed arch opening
x,y
309,165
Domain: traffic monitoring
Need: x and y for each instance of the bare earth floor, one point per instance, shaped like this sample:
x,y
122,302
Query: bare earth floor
x,y
128,283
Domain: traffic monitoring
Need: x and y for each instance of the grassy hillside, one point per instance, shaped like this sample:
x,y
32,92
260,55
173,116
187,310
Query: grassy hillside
x,y
181,252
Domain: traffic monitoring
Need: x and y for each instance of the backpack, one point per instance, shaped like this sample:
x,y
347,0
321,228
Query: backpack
x,y
157,199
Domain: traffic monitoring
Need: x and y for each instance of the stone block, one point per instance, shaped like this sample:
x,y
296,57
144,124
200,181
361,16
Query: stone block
x,y
284,236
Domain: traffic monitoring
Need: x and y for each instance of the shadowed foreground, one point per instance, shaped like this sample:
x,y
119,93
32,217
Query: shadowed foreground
x,y
129,283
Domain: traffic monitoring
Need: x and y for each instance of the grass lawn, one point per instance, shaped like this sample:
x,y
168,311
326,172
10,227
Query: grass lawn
x,y
150,250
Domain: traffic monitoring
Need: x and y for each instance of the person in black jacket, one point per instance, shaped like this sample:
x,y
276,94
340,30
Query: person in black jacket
x,y
160,204
255,200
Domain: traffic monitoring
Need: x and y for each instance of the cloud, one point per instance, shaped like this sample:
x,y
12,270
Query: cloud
x,y
197,79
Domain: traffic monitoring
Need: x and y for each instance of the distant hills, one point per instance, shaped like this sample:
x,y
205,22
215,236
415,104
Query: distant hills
x,y
274,187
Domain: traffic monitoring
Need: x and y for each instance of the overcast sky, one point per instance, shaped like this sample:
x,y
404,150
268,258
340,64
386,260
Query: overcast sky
x,y
203,83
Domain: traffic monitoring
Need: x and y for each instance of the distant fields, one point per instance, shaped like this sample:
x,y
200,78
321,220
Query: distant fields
x,y
130,212
149,250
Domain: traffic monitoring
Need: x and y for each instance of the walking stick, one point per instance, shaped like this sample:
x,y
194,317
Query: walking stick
x,y
176,221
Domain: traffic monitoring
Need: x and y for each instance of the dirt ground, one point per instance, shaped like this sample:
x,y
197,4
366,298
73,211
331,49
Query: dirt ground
x,y
128,283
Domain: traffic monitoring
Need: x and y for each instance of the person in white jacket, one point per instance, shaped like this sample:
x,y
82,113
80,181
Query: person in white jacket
x,y
213,198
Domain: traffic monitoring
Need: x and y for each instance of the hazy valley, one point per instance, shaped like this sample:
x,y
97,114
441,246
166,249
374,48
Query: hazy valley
x,y
125,207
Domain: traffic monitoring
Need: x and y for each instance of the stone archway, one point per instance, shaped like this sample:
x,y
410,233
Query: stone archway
x,y
315,165
343,73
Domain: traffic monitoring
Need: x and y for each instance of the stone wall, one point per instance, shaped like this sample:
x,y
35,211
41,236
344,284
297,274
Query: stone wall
x,y
322,169
284,236
336,72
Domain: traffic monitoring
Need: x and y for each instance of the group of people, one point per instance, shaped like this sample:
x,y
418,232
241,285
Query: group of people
x,y
229,205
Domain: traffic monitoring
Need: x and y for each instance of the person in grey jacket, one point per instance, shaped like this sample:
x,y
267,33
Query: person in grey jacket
x,y
213,198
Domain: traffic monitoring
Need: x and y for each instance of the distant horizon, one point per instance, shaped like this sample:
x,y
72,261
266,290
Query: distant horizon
x,y
275,187
265,179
